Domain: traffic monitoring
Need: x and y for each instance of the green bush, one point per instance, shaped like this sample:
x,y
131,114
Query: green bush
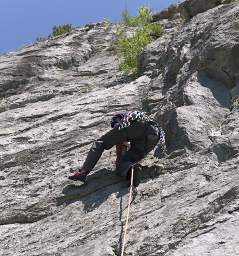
x,y
129,47
154,29
143,18
40,39
61,29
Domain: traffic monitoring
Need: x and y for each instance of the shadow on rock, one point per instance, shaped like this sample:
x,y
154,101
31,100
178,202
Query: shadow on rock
x,y
220,92
95,191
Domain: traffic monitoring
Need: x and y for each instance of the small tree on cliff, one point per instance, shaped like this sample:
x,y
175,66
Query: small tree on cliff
x,y
61,29
129,47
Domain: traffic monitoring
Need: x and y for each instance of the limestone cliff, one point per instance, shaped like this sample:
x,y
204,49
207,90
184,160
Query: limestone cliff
x,y
57,96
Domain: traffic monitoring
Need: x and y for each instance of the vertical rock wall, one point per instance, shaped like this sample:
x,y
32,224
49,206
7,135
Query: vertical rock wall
x,y
57,96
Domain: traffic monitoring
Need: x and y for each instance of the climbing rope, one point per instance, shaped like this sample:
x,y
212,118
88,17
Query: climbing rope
x,y
128,211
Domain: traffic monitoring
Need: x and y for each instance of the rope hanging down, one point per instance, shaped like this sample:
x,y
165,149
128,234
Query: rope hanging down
x,y
128,211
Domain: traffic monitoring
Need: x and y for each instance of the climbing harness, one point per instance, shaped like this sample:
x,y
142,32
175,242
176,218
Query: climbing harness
x,y
128,211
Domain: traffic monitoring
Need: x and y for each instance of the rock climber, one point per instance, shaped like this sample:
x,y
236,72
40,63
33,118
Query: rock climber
x,y
134,136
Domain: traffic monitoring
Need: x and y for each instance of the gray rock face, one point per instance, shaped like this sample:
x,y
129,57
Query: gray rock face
x,y
57,96
189,8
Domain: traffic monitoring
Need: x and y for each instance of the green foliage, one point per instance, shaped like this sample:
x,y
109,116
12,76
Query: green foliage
x,y
106,23
61,29
129,47
154,29
143,18
40,39
127,19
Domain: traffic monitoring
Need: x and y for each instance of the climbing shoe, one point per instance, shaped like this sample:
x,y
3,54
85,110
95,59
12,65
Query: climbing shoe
x,y
78,176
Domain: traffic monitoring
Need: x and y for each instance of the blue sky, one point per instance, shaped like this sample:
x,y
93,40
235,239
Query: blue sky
x,y
22,21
